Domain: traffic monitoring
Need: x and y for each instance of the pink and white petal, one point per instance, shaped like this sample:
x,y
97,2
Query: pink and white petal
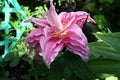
x,y
66,18
78,18
45,37
43,41
79,42
34,34
76,42
34,37
40,22
81,18
46,31
52,16
51,49
83,14
78,52
33,44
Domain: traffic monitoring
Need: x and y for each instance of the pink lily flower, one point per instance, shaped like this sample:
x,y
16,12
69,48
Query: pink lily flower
x,y
55,32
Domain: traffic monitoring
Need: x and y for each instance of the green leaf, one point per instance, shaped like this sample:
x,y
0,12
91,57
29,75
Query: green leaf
x,y
105,56
106,1
39,70
77,66
56,70
68,74
13,58
112,39
98,49
109,66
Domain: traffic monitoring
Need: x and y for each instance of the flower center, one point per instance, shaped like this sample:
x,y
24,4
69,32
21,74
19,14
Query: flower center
x,y
60,34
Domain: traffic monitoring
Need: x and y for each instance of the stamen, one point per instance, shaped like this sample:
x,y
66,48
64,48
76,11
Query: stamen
x,y
60,34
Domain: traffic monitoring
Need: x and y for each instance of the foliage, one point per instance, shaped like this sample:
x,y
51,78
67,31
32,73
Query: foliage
x,y
105,54
104,60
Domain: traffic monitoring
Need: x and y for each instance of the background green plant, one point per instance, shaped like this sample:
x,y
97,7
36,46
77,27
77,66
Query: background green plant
x,y
104,62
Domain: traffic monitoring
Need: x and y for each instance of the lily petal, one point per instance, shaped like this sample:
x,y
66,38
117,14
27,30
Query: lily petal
x,y
78,18
33,39
52,16
76,42
51,48
66,18
34,33
39,22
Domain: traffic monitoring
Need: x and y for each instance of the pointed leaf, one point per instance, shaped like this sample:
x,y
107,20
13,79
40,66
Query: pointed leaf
x,y
98,49
104,66
112,39
78,67
56,70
